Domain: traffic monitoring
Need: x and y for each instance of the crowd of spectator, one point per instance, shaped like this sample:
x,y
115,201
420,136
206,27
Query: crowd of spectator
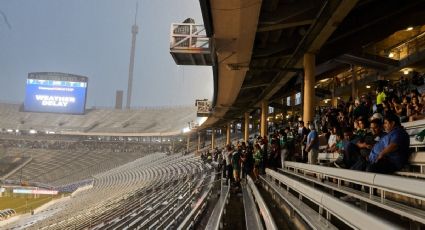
x,y
366,132
110,146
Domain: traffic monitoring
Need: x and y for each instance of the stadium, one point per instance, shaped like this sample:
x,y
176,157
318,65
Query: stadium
x,y
316,121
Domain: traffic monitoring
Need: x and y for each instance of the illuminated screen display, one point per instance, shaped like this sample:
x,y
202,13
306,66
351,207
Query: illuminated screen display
x,y
33,191
55,93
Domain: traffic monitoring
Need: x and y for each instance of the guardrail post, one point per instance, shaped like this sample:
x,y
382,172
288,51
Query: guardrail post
x,y
370,192
292,213
414,225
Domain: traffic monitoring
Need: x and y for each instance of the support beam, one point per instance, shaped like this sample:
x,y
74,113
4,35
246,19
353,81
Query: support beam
x,y
246,128
199,142
228,134
212,138
264,113
188,143
354,90
309,81
334,98
281,26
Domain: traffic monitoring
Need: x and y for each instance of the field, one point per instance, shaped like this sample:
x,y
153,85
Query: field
x,y
22,204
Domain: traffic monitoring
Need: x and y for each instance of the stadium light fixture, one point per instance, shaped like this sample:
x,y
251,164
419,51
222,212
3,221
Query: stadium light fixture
x,y
186,130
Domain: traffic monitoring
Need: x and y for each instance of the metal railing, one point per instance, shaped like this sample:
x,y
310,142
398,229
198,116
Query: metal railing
x,y
215,221
350,215
386,184
265,212
188,36
197,211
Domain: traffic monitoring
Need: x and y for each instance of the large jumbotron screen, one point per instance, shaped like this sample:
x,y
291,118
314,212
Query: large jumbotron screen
x,y
55,93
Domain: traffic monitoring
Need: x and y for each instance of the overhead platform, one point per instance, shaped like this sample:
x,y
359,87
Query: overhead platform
x,y
189,45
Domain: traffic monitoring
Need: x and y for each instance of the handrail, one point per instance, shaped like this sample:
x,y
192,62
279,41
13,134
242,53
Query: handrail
x,y
401,185
265,212
252,218
217,214
199,206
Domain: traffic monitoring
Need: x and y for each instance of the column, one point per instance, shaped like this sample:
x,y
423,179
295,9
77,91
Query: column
x,y
199,141
228,134
188,142
264,113
246,128
309,81
212,138
334,98
173,139
354,92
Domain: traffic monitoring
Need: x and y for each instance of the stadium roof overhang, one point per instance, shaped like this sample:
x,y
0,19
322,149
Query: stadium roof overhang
x,y
233,25
260,45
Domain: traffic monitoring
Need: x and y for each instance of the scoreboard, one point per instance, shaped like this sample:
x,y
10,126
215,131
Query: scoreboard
x,y
55,93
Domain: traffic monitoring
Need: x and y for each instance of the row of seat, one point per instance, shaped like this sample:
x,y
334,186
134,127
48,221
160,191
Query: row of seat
x,y
157,175
112,120
397,195
7,213
60,167
252,194
350,215
101,191
193,216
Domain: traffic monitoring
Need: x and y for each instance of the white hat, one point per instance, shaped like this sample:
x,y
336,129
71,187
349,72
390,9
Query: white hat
x,y
377,116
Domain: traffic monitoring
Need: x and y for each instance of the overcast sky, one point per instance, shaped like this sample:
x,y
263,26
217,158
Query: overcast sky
x,y
93,38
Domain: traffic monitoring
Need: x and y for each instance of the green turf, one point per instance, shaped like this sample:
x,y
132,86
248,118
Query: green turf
x,y
21,204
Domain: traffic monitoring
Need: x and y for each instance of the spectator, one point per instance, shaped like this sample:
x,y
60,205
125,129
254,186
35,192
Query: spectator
x,y
248,160
274,159
350,150
332,141
283,143
228,159
236,164
366,145
380,95
258,157
312,146
391,153
302,138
